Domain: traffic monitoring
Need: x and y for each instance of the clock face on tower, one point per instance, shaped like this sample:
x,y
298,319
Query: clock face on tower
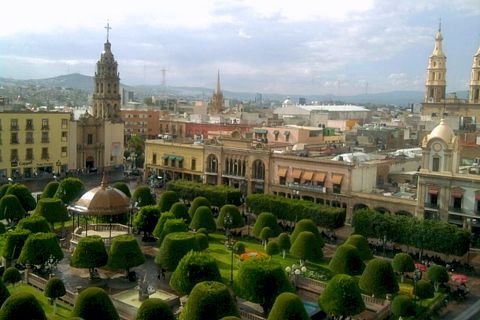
x,y
437,147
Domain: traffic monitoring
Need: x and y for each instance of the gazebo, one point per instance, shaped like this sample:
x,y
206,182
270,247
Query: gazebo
x,y
100,202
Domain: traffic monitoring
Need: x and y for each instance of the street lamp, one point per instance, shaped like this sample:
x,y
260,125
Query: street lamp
x,y
227,222
59,164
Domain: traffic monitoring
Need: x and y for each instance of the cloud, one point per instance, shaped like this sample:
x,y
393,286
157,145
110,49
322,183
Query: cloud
x,y
243,34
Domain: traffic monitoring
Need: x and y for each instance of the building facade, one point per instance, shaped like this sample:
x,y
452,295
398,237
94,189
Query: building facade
x,y
144,123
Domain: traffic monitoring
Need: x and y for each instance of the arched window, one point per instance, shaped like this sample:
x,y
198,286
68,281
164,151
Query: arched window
x,y
258,170
212,163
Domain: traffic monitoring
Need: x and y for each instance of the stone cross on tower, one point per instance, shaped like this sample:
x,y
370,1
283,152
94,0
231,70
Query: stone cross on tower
x,y
108,29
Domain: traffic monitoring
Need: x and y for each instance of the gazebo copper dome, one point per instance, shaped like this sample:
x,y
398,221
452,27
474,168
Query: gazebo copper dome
x,y
103,200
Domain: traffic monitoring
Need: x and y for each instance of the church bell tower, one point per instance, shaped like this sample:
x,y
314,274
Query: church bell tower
x,y
436,83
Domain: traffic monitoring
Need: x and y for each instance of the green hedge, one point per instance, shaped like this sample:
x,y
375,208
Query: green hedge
x,y
89,253
294,210
431,235
94,303
22,305
154,309
125,253
288,306
218,195
173,248
39,248
34,224
14,243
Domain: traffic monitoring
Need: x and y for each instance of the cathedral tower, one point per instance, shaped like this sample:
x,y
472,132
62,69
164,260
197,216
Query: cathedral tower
x,y
106,96
217,98
474,92
436,72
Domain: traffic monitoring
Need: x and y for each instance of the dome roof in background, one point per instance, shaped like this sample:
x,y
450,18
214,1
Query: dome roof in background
x,y
443,132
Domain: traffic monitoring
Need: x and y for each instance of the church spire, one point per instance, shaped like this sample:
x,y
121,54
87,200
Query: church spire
x,y
217,98
217,89
436,83
474,92
437,51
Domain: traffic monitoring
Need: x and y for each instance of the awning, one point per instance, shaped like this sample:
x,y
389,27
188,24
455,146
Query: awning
x,y
457,193
179,158
307,175
319,177
165,156
282,172
296,173
432,190
262,131
337,178
172,157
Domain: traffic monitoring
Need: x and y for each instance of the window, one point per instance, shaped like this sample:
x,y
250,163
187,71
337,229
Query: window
x,y
173,163
154,158
64,136
45,153
165,160
44,136
14,138
14,124
64,151
90,138
194,164
29,154
29,125
64,123
436,164
282,181
29,138
45,124
180,164
14,155
434,200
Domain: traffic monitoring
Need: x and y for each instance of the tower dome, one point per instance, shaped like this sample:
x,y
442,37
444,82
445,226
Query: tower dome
x,y
442,131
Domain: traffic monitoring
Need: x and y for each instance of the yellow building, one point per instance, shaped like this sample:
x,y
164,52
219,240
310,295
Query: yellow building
x,y
34,143
172,161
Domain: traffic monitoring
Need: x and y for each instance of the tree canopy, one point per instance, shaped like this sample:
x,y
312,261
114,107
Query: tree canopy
x,y
378,278
94,303
70,190
342,297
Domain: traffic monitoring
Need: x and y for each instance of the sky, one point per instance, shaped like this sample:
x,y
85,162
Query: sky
x,y
340,47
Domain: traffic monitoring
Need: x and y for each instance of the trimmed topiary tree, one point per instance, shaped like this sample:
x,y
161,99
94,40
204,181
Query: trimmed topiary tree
x,y
50,190
41,248
3,190
23,194
171,226
70,190
196,203
54,289
4,293
307,247
167,200
403,262
143,196
90,253
361,243
424,289
266,219
14,242
11,276
261,281
173,248
161,222
305,225
146,220
346,260
22,305
239,248
94,303
272,248
125,253
284,244
229,210
122,186
52,210
209,300
155,309
438,275
288,306
342,297
266,234
402,306
203,218
193,268
11,209
180,211
378,278
201,242
34,224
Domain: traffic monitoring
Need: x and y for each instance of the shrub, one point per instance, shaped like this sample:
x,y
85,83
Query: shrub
x,y
180,211
438,275
22,305
201,242
94,303
89,253
288,306
14,242
125,253
143,196
11,209
11,276
239,248
193,268
209,300
54,289
2,228
146,219
196,203
122,186
218,195
266,233
70,190
361,243
307,247
342,297
378,278
266,219
173,248
272,248
402,306
41,248
34,224
161,222
52,210
347,260
4,293
171,226
50,190
284,243
261,281
203,218
229,210
403,262
154,309
305,225
3,190
166,201
23,194
423,289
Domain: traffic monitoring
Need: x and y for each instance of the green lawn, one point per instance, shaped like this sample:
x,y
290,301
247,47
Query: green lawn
x,y
63,310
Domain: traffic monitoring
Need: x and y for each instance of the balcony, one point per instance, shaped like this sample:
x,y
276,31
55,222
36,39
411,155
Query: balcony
x,y
433,206
29,127
45,127
306,187
14,141
14,128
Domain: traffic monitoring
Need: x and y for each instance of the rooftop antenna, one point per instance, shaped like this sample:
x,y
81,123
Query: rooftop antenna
x,y
439,24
